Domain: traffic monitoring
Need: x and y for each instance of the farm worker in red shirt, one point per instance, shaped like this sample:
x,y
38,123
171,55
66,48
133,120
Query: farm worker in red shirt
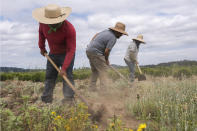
x,y
61,37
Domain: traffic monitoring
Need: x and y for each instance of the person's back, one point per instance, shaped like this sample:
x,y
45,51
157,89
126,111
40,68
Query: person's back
x,y
132,52
103,40
98,53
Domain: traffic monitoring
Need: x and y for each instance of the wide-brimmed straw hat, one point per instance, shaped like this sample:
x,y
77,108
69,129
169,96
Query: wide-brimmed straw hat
x,y
119,27
139,38
51,14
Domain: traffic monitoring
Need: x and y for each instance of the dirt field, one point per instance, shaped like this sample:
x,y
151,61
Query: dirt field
x,y
116,98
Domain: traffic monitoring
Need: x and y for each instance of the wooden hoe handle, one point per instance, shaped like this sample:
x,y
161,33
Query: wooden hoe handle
x,y
120,74
139,69
67,81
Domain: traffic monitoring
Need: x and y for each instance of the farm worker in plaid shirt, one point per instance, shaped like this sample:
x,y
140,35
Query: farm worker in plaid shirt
x,y
61,37
98,53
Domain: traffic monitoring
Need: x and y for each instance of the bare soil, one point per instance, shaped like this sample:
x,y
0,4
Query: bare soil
x,y
111,102
107,103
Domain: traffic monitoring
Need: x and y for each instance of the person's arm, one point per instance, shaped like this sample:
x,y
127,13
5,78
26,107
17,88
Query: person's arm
x,y
106,54
70,48
41,42
108,48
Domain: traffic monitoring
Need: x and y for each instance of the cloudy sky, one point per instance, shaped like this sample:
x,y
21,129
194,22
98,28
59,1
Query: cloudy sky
x,y
169,28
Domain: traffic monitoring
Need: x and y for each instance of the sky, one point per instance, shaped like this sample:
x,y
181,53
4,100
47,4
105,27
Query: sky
x,y
169,29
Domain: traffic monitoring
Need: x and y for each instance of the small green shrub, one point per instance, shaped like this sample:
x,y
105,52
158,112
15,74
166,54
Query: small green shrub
x,y
3,77
146,110
9,121
38,77
81,74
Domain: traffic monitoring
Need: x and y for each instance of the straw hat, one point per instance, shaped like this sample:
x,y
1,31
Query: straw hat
x,y
51,14
119,27
139,38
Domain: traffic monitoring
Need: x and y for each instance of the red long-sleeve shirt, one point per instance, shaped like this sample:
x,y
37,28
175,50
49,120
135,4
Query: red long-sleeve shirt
x,y
60,42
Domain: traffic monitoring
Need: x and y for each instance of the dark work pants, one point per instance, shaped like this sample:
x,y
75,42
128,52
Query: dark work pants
x,y
51,76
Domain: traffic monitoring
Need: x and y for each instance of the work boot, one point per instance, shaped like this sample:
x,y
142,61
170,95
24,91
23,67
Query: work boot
x,y
47,99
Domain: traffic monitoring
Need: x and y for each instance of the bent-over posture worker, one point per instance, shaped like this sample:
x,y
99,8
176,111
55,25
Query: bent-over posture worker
x,y
131,55
61,37
98,52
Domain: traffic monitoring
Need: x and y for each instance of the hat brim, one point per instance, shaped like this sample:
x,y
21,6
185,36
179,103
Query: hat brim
x,y
139,40
39,15
121,31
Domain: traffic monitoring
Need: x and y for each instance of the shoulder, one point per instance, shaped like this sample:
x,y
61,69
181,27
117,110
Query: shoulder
x,y
43,25
67,24
68,27
111,35
104,32
131,45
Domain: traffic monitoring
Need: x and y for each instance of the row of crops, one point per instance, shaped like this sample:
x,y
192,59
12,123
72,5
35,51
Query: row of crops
x,y
177,72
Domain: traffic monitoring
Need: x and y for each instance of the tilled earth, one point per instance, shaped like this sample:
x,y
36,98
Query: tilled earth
x,y
113,100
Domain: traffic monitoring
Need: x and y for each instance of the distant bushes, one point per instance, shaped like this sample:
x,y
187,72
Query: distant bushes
x,y
5,76
157,72
40,76
27,76
81,74
178,72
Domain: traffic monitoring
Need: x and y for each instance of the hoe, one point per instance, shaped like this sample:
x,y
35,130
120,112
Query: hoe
x,y
120,75
141,77
95,114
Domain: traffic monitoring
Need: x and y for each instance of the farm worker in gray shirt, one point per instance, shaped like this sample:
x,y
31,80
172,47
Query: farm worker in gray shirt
x,y
131,55
98,53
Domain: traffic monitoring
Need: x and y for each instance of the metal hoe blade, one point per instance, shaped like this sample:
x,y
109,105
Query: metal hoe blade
x,y
141,77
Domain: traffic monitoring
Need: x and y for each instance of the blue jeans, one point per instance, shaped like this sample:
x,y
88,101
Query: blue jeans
x,y
131,66
51,76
